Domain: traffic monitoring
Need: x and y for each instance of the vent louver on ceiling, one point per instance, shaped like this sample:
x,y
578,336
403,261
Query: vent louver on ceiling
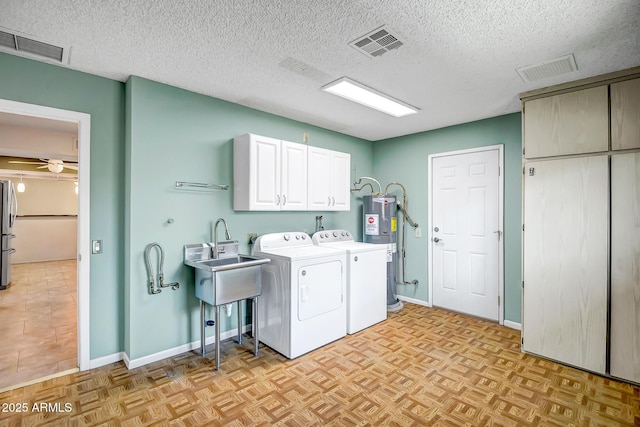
x,y
377,42
552,68
14,42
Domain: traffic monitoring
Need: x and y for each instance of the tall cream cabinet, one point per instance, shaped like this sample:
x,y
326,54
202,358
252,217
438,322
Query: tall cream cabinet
x,y
625,266
565,263
271,175
581,224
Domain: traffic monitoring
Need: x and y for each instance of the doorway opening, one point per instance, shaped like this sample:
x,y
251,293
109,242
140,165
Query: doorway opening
x,y
77,268
466,244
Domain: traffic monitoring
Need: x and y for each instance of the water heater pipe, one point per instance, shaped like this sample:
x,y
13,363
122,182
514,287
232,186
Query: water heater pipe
x,y
370,179
404,227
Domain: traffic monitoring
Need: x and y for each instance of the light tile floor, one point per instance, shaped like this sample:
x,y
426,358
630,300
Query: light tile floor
x,y
38,322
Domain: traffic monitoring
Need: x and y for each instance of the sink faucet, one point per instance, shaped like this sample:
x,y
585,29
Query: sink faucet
x,y
215,235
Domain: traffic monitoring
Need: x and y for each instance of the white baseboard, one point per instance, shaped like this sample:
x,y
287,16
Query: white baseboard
x,y
106,360
414,301
145,360
513,325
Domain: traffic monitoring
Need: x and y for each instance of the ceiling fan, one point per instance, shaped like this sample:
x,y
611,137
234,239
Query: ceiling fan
x,y
54,165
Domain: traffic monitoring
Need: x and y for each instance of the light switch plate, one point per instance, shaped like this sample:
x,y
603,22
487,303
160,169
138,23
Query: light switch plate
x,y
96,246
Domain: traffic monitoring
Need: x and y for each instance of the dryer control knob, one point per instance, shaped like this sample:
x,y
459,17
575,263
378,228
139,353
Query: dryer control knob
x,y
304,237
297,237
335,234
286,237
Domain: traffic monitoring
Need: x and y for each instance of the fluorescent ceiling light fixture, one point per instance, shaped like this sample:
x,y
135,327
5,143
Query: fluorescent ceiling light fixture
x,y
364,95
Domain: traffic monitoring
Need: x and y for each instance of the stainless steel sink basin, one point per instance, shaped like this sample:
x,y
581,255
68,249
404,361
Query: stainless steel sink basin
x,y
222,264
223,280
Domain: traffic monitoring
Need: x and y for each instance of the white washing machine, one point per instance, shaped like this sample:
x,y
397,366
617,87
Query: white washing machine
x,y
302,306
366,278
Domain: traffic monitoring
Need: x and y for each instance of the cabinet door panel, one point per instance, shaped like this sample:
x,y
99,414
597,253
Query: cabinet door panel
x,y
319,197
265,185
625,115
570,123
341,176
294,176
625,266
565,260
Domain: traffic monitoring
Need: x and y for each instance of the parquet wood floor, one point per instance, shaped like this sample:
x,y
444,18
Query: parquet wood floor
x,y
422,366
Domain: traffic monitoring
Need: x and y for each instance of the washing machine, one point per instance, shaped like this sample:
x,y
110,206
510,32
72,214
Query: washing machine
x,y
302,306
366,278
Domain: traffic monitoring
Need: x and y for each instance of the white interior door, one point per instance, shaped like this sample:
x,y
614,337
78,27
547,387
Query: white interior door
x,y
466,232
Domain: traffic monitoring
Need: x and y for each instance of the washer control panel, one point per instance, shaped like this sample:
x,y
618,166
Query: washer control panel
x,y
282,240
327,236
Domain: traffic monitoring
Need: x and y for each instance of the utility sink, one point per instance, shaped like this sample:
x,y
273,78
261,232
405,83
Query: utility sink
x,y
230,277
231,263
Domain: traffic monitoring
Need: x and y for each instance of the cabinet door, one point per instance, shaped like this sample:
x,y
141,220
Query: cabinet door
x,y
319,197
341,181
625,115
264,167
625,266
294,176
565,248
571,123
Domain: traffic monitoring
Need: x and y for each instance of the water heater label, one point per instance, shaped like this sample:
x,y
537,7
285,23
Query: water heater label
x,y
371,225
394,224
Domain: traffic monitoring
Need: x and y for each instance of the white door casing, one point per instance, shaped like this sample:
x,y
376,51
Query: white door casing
x,y
465,231
84,131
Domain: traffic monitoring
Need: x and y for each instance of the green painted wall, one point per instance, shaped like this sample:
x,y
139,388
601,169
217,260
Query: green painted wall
x,y
176,135
404,160
35,82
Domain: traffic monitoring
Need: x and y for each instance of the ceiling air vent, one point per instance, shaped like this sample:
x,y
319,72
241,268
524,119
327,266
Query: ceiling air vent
x,y
544,70
377,42
26,45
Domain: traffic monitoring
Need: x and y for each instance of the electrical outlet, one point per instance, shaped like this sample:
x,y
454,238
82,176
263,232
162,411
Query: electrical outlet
x,y
251,238
418,232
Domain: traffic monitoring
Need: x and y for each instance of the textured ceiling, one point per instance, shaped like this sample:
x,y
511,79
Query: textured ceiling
x,y
457,64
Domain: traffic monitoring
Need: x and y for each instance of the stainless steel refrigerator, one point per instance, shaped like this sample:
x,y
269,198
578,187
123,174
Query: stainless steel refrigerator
x,y
8,212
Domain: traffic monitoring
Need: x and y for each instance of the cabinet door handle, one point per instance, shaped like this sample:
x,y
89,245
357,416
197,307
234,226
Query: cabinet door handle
x,y
328,201
284,200
334,201
278,200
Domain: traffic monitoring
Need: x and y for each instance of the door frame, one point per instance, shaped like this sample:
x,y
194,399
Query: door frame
x,y
83,236
500,148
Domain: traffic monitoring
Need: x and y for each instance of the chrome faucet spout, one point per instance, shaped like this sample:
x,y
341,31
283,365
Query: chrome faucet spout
x,y
215,235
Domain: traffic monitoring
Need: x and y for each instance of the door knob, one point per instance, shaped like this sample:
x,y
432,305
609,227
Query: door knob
x,y
436,240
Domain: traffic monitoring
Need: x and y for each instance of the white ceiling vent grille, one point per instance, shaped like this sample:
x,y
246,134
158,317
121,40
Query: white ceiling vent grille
x,y
26,45
377,42
544,70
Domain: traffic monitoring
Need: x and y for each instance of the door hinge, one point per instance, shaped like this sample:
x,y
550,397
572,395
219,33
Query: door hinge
x,y
523,284
522,227
523,170
498,170
522,340
523,151
498,300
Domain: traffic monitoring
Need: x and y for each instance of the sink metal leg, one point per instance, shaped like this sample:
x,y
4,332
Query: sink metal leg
x,y
203,325
254,325
240,322
217,326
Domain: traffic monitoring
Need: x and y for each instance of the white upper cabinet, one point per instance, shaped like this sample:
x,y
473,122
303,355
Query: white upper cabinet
x,y
625,115
329,180
269,174
570,123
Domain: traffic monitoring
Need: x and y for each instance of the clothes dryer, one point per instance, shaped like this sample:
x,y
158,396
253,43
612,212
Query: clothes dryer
x,y
302,306
366,278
